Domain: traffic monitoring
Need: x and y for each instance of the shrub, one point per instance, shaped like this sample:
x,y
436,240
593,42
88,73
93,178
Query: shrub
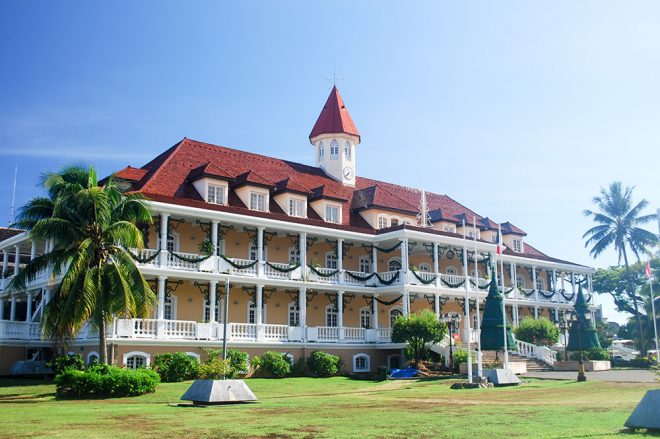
x,y
237,361
103,381
323,364
592,354
537,331
641,362
68,361
175,367
274,365
215,369
300,369
460,356
418,330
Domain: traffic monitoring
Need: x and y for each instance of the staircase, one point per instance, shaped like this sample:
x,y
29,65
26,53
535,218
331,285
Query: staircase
x,y
533,364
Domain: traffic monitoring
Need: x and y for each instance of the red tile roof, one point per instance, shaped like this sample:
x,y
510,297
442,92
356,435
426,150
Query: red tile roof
x,y
210,170
167,180
334,117
510,229
130,173
7,232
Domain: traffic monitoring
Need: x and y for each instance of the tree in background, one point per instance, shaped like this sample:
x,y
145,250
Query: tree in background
x,y
90,226
539,332
618,222
417,330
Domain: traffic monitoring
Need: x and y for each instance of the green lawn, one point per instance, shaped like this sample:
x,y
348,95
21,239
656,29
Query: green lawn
x,y
333,407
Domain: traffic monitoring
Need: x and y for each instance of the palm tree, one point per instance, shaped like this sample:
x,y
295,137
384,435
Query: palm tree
x,y
89,225
618,220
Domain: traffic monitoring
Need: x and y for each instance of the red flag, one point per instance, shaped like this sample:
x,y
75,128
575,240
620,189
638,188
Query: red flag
x,y
499,247
648,269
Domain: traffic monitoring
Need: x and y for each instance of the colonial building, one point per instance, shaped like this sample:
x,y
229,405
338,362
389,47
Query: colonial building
x,y
317,258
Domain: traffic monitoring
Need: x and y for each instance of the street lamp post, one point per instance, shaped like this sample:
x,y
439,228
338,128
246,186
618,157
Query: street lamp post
x,y
451,319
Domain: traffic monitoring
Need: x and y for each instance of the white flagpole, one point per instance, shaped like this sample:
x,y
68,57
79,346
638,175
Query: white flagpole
x,y
506,340
476,281
467,306
655,324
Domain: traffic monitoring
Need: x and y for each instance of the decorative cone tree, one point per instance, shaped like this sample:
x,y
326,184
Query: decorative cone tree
x,y
581,334
492,334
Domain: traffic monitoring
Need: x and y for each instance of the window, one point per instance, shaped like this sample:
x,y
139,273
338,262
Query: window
x,y
365,264
321,150
408,221
258,201
517,245
393,361
347,150
215,194
207,310
394,313
169,308
294,255
472,234
383,222
361,363
449,228
540,284
394,264
331,260
297,207
92,357
294,314
172,242
331,315
334,150
426,268
394,222
450,270
365,317
332,214
136,360
252,312
253,253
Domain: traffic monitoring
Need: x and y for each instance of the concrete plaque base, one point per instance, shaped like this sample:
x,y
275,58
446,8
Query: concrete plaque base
x,y
646,413
205,392
501,377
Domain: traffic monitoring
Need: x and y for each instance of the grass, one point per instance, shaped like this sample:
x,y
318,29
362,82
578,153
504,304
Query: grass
x,y
333,407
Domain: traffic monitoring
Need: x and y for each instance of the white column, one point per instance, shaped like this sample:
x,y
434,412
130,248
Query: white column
x,y
554,285
573,288
5,268
436,266
405,306
161,297
214,242
374,312
436,305
33,250
536,312
259,313
340,260
17,258
536,293
563,283
404,256
260,250
45,298
164,222
590,287
302,307
374,260
12,310
2,308
212,298
340,314
28,314
512,272
302,250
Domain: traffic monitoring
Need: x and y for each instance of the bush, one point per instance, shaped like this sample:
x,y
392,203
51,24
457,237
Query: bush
x,y
273,365
237,362
592,354
418,330
215,369
176,367
300,369
323,364
68,361
641,362
103,381
460,356
537,331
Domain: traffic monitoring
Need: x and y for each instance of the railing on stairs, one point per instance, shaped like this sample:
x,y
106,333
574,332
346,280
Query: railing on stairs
x,y
541,353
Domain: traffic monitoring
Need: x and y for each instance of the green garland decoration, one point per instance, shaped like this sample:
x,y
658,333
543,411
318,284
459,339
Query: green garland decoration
x,y
450,285
390,302
425,282
239,266
588,298
525,293
563,294
360,278
387,250
289,269
485,287
388,282
142,260
509,291
318,273
547,294
191,260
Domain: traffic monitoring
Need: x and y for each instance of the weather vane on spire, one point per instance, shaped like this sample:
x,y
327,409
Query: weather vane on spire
x,y
334,78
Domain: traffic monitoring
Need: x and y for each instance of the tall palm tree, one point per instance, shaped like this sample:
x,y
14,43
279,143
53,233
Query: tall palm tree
x,y
90,225
618,220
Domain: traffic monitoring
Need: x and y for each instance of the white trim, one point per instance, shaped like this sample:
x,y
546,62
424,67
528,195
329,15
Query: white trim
x,y
390,357
96,354
394,259
369,314
389,314
367,368
147,357
194,355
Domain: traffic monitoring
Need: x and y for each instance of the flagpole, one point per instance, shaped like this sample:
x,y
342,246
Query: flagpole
x,y
467,305
649,273
506,338
476,275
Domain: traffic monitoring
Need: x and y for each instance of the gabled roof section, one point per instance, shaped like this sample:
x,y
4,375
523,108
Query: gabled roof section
x,y
379,197
510,229
130,173
334,118
291,185
325,191
253,178
210,170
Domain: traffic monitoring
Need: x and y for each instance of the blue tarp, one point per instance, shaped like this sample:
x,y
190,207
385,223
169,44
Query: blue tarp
x,y
408,372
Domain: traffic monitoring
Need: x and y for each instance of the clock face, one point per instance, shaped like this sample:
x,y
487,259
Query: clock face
x,y
348,173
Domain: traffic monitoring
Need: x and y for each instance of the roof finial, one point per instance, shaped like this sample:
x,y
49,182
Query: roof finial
x,y
423,217
334,78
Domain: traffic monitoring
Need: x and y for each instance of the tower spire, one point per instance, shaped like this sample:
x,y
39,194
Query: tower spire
x,y
423,217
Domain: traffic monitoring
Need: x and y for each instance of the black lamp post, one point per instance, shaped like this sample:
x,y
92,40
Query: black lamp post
x,y
451,319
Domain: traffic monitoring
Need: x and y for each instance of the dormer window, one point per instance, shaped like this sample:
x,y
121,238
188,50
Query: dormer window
x,y
215,194
331,214
258,201
297,207
383,222
395,222
449,228
473,234
334,150
517,245
321,150
347,150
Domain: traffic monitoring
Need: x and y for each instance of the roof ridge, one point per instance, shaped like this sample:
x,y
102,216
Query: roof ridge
x,y
175,148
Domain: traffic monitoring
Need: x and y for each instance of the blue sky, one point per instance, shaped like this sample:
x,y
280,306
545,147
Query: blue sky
x,y
520,110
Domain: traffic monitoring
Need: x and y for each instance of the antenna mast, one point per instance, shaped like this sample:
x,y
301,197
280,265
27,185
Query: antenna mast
x,y
423,217
13,198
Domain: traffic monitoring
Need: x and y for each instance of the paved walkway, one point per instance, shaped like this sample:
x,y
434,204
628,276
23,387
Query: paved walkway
x,y
617,375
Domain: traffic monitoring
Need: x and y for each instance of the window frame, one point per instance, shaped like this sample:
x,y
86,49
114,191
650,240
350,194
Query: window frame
x,y
330,207
331,315
302,205
366,358
257,197
218,189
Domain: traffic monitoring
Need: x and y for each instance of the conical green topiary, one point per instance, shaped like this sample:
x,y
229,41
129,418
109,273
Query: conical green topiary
x,y
582,332
492,334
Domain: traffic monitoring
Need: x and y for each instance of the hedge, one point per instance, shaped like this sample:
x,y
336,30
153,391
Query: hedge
x,y
103,381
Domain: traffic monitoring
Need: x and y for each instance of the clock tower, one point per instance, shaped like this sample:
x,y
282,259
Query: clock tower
x,y
335,137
